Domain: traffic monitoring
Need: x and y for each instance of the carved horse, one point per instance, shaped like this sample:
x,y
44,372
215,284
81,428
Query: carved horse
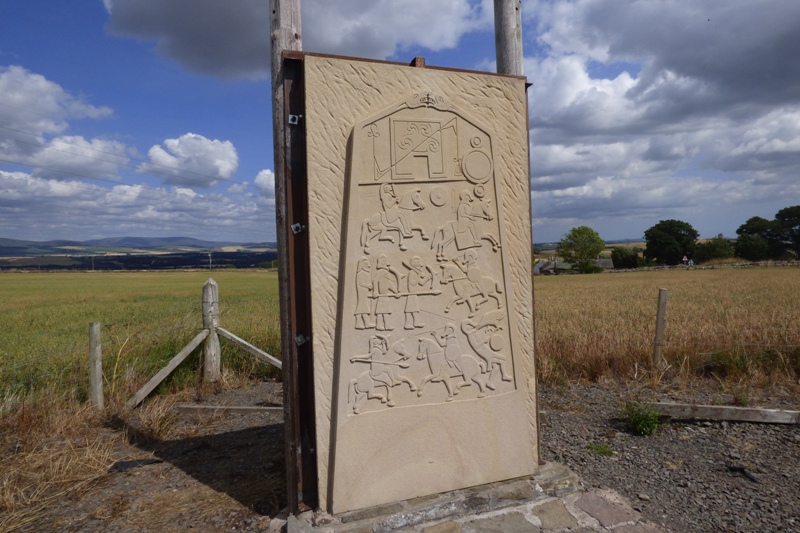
x,y
445,235
469,286
442,371
382,374
393,219
478,343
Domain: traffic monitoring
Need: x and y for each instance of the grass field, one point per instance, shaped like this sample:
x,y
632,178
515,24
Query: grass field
x,y
733,323
146,317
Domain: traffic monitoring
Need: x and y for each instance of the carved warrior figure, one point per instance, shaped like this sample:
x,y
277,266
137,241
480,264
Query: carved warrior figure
x,y
483,211
419,278
384,372
385,287
465,228
363,301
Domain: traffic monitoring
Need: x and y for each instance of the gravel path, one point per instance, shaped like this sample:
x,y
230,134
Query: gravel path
x,y
225,473
688,476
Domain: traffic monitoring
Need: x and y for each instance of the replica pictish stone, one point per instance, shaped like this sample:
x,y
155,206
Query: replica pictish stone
x,y
431,383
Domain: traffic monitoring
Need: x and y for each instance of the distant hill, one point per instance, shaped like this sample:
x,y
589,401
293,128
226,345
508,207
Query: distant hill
x,y
165,242
121,245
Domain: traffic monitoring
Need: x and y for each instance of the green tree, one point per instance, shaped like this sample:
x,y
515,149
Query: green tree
x,y
788,219
717,248
769,232
625,257
669,240
581,246
752,247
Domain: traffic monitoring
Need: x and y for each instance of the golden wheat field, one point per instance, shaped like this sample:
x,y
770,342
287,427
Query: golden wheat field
x,y
731,323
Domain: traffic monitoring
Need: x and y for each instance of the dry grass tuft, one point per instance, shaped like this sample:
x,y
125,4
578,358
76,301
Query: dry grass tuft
x,y
51,451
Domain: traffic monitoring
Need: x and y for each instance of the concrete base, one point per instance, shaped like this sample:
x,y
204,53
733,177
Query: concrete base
x,y
451,511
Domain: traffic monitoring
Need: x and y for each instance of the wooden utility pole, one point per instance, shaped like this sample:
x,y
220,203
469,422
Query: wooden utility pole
x,y
285,35
508,36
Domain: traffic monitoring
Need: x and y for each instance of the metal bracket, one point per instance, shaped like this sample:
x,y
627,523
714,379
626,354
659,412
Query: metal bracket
x,y
294,119
297,228
301,339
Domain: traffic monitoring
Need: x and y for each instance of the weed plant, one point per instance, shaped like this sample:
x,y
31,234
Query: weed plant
x,y
600,448
641,418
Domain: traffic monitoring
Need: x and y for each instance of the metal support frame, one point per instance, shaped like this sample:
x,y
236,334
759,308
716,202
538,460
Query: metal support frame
x,y
298,371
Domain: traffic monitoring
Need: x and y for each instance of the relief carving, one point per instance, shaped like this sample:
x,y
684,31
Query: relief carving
x,y
425,279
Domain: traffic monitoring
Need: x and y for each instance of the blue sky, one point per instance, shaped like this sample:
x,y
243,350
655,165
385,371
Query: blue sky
x,y
152,117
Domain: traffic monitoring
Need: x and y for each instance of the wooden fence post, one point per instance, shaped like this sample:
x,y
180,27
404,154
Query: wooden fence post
x,y
661,324
96,367
211,348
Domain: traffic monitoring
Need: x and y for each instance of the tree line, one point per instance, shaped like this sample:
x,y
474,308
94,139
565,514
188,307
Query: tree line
x,y
672,242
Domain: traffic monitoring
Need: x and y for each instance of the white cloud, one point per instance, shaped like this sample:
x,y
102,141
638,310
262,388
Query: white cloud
x,y
664,108
265,182
35,105
77,210
74,155
380,28
231,39
237,188
32,109
192,160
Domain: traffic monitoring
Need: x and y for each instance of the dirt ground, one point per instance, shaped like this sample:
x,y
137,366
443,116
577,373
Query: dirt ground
x,y
167,471
221,472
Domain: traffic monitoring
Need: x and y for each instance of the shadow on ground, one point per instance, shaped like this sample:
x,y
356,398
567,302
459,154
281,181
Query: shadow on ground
x,y
247,465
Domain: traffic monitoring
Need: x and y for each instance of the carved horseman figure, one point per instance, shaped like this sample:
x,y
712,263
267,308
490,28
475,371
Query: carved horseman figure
x,y
465,227
391,209
383,372
452,351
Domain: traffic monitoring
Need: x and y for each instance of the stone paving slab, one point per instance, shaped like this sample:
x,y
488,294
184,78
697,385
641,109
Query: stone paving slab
x,y
609,511
552,501
554,516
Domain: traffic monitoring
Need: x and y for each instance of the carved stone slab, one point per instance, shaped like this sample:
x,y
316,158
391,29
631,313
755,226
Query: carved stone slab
x,y
432,363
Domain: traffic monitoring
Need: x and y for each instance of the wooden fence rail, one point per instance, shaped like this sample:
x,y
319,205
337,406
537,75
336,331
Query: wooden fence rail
x,y
209,337
243,344
156,380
